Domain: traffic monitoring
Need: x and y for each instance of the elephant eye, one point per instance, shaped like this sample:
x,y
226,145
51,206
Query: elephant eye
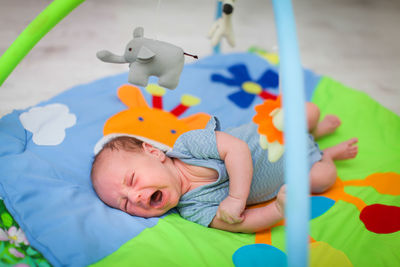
x,y
130,49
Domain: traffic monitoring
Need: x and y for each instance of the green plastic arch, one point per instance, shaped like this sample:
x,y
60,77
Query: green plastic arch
x,y
35,31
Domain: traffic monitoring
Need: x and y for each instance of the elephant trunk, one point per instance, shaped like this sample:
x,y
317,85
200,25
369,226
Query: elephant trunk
x,y
107,56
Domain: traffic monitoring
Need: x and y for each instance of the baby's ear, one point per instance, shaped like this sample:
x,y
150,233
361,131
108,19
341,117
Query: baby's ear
x,y
148,148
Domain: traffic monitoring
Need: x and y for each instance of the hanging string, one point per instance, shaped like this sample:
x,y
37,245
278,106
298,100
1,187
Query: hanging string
x,y
157,18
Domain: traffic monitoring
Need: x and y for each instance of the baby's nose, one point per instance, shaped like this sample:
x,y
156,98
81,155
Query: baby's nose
x,y
137,197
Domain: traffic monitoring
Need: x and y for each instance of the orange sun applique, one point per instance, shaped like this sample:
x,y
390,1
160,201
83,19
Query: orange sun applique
x,y
153,123
264,120
269,118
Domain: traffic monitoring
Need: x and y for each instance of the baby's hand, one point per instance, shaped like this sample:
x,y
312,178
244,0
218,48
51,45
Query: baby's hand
x,y
281,200
230,210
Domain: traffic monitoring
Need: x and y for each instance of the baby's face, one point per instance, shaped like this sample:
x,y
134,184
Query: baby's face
x,y
138,183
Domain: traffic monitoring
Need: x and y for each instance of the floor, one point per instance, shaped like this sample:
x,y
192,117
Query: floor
x,y
356,42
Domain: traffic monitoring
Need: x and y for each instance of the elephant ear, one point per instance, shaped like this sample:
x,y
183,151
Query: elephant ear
x,y
145,53
138,32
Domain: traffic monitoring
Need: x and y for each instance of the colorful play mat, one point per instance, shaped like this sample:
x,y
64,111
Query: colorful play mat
x,y
50,214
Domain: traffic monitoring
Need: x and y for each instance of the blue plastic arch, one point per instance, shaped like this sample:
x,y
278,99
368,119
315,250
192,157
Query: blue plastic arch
x,y
296,173
297,208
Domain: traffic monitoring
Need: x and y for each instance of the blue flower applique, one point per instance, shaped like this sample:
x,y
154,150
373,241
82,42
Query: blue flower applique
x,y
248,89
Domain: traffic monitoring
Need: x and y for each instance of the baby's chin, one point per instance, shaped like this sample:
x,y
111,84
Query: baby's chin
x,y
151,214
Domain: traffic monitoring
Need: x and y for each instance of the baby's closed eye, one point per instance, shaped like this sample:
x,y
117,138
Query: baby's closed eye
x,y
128,181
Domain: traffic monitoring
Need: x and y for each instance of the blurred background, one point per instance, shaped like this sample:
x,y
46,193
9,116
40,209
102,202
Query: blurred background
x,y
356,42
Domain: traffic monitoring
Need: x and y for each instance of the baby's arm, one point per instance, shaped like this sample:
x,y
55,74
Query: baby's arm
x,y
256,219
237,157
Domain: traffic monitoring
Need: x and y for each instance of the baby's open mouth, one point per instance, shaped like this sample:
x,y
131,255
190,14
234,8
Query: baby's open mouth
x,y
156,198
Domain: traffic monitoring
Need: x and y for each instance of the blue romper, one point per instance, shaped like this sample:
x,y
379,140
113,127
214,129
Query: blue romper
x,y
199,148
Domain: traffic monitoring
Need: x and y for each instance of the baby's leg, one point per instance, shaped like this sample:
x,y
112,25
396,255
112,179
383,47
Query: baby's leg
x,y
345,150
320,128
327,126
323,173
312,115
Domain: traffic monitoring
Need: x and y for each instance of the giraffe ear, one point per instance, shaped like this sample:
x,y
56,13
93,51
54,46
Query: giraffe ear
x,y
131,96
196,121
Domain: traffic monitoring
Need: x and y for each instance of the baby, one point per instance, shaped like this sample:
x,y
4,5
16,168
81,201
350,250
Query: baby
x,y
211,177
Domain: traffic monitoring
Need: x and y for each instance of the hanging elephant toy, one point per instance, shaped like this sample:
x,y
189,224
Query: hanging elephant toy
x,y
147,57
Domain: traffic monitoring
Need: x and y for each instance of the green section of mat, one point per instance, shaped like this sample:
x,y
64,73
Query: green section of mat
x,y
378,131
362,247
377,128
178,242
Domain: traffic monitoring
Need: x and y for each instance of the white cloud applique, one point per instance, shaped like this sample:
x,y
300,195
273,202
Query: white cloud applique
x,y
48,123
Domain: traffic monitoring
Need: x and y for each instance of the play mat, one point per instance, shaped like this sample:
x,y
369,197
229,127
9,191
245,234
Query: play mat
x,y
50,214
